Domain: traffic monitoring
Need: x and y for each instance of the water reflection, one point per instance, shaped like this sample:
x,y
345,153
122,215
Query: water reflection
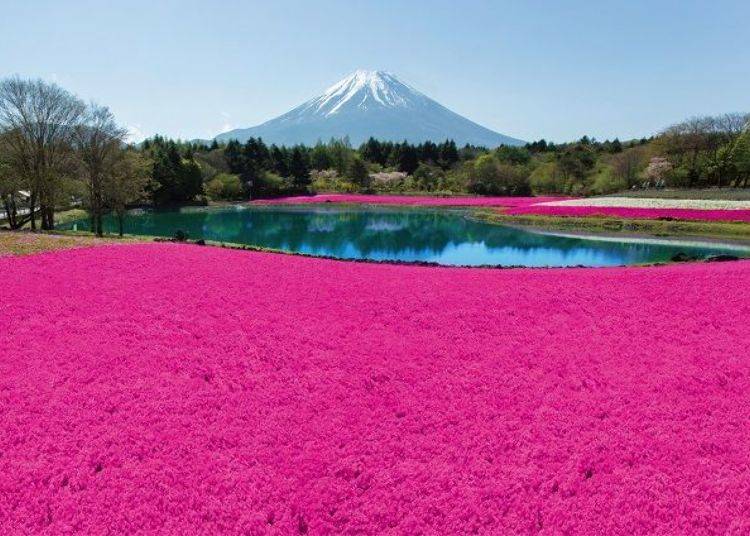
x,y
445,237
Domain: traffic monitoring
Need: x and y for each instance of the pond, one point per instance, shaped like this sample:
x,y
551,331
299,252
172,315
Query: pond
x,y
442,236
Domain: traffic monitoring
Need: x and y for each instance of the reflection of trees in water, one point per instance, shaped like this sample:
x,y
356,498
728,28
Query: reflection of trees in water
x,y
387,232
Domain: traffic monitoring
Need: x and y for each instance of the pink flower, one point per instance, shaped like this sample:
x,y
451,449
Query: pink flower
x,y
180,389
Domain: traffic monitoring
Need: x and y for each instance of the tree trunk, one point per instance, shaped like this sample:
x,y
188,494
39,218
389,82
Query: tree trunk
x,y
11,211
46,214
119,222
32,207
50,217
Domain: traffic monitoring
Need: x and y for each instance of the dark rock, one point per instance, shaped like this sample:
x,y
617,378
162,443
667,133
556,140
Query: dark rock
x,y
722,258
200,242
683,257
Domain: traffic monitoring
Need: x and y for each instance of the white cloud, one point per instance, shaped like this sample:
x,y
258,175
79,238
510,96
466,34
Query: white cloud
x,y
135,134
226,124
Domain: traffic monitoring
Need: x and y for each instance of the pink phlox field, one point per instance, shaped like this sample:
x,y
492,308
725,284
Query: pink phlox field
x,y
183,389
408,200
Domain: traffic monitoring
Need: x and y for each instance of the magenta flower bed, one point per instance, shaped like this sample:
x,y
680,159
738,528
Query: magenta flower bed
x,y
182,389
410,200
634,213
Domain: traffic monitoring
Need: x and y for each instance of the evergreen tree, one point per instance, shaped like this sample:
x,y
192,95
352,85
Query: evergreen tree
x,y
428,153
372,151
448,154
279,161
234,158
359,173
319,157
299,167
408,159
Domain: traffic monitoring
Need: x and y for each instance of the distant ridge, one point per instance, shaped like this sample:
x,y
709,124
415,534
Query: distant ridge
x,y
371,103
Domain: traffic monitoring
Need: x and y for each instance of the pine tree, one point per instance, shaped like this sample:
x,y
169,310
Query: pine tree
x,y
319,157
448,154
299,168
279,161
408,159
359,173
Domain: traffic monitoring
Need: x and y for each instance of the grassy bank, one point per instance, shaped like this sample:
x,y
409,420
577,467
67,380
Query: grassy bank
x,y
26,242
726,194
719,230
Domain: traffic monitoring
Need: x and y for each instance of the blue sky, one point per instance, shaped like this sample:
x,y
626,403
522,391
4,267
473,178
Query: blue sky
x,y
554,70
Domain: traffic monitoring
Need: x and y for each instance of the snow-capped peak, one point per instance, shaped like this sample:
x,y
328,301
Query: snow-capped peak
x,y
363,89
370,104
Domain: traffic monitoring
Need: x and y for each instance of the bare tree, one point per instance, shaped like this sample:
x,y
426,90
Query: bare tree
x,y
99,143
732,124
39,120
628,164
126,183
9,187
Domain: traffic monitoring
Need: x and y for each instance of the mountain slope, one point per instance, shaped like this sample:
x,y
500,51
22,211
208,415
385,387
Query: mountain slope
x,y
371,103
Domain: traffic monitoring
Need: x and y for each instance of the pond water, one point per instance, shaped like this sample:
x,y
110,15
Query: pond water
x,y
407,234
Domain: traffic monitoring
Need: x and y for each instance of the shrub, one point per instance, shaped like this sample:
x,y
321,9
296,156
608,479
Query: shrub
x,y
224,186
604,181
490,177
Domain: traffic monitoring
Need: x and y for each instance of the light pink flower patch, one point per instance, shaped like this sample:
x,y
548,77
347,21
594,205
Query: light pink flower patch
x,y
178,389
410,200
633,213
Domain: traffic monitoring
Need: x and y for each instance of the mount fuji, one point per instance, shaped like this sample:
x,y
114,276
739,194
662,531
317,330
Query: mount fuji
x,y
371,103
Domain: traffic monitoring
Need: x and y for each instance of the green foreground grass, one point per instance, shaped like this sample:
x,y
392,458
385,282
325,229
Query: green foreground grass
x,y
27,242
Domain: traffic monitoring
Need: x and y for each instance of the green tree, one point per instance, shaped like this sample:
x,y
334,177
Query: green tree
x,y
448,154
359,173
279,161
99,146
299,168
174,180
428,177
408,159
38,120
490,177
126,183
513,155
319,157
224,186
741,158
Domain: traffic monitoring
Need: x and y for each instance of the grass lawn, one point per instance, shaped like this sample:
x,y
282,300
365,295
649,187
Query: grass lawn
x,y
26,242
730,194
675,228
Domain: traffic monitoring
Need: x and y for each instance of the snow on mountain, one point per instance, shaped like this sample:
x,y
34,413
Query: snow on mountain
x,y
371,103
363,89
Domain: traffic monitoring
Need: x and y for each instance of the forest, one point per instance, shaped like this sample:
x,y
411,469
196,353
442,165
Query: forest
x,y
57,152
698,153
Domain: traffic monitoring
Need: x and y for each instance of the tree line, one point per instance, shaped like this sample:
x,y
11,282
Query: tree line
x,y
703,152
57,151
